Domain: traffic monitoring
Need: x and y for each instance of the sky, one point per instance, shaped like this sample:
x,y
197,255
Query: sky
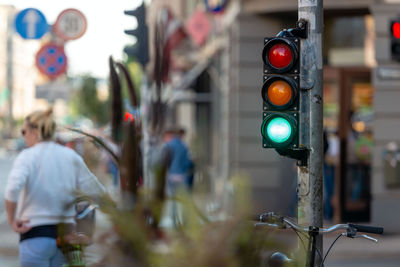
x,y
104,35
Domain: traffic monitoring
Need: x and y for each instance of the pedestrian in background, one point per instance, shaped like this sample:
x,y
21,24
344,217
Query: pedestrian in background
x,y
41,191
179,162
190,168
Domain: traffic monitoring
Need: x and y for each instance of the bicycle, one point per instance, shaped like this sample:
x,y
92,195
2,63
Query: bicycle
x,y
311,232
73,242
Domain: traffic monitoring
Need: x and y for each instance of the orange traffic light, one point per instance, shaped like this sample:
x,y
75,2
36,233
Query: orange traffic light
x,y
280,93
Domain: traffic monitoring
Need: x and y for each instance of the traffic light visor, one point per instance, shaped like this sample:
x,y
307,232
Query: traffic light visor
x,y
396,29
279,93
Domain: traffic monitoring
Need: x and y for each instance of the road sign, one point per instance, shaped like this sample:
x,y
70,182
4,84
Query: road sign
x,y
70,24
215,6
53,91
30,23
198,27
51,60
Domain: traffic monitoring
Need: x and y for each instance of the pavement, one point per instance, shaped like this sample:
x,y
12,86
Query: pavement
x,y
8,239
346,252
354,252
361,252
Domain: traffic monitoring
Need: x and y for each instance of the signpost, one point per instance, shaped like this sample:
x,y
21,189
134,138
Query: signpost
x,y
30,23
51,60
71,24
310,177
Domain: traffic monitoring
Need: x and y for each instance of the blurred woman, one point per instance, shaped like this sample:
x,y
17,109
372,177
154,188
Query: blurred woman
x,y
41,190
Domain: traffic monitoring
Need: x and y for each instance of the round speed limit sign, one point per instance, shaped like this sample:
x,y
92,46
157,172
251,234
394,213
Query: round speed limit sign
x,y
70,24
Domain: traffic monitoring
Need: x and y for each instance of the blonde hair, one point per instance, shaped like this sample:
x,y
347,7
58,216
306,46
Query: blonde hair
x,y
44,122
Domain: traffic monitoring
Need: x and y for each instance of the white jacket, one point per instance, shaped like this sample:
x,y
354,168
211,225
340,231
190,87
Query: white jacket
x,y
44,181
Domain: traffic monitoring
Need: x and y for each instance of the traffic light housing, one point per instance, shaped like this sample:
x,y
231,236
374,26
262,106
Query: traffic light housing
x,y
280,93
395,39
140,50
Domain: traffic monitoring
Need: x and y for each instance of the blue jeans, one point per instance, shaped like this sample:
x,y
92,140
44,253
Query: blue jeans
x,y
175,183
40,252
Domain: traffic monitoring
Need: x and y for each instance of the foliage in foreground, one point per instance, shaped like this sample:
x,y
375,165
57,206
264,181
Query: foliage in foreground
x,y
137,238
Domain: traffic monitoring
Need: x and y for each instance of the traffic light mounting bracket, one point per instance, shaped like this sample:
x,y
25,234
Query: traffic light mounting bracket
x,y
301,30
300,154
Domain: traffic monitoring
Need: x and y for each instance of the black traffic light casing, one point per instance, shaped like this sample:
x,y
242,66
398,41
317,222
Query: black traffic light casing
x,y
280,91
395,39
140,50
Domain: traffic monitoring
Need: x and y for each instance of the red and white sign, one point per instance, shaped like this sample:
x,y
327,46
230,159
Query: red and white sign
x,y
70,24
198,27
51,60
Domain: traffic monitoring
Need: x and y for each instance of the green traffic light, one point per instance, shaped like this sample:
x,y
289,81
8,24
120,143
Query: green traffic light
x,y
279,130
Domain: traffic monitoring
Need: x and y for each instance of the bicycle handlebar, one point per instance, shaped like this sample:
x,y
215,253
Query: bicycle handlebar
x,y
272,219
367,229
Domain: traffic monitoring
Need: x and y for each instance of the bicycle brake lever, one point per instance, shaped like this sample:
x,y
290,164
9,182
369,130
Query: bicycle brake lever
x,y
368,238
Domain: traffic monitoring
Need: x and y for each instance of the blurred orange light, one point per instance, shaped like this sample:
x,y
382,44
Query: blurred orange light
x,y
279,93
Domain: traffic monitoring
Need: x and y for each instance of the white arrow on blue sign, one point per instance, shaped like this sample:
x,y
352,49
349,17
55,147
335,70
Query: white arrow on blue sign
x,y
30,23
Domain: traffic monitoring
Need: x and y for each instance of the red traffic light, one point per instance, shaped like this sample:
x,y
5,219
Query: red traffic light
x,y
396,29
280,56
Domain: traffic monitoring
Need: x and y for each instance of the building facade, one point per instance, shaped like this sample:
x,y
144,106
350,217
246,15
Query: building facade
x,y
360,112
17,68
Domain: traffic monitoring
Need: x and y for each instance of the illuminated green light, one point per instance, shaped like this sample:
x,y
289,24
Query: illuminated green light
x,y
279,130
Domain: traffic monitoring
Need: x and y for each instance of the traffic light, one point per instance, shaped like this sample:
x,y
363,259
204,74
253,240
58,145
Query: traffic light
x,y
140,50
280,93
395,36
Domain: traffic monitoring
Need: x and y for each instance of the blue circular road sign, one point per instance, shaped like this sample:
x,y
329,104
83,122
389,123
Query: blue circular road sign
x,y
215,6
30,23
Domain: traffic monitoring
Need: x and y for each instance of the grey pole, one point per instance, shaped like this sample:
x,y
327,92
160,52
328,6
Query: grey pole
x,y
310,178
10,73
144,113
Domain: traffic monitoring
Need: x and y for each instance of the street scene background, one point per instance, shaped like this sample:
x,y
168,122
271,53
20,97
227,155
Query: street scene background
x,y
131,81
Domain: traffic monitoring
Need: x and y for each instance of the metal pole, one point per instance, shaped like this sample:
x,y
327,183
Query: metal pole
x,y
144,113
10,74
310,178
